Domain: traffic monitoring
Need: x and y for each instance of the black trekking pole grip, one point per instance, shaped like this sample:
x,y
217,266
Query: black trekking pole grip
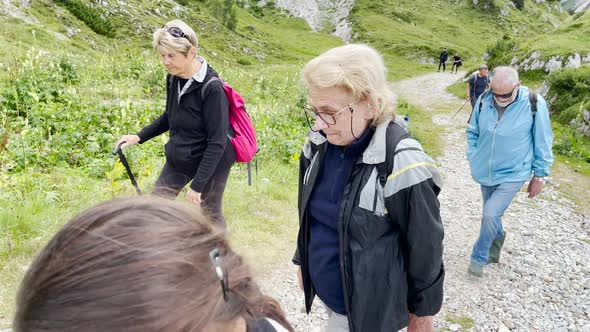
x,y
119,151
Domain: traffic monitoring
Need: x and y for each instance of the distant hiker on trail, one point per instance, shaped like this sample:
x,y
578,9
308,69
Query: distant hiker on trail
x,y
442,59
507,143
370,236
199,149
477,84
456,63
143,264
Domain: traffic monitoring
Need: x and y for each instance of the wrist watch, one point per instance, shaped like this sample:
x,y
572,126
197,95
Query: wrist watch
x,y
539,178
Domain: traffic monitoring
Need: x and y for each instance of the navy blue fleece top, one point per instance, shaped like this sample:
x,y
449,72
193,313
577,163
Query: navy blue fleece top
x,y
323,209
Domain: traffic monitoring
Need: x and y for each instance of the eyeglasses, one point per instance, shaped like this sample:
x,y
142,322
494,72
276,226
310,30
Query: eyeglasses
x,y
176,32
506,95
329,119
217,261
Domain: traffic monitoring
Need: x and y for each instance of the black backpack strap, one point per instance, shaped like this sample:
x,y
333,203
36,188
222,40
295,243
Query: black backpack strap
x,y
395,133
480,105
481,99
533,102
212,79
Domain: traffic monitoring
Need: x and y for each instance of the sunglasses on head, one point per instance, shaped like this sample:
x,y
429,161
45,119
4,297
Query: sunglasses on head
x,y
505,95
176,32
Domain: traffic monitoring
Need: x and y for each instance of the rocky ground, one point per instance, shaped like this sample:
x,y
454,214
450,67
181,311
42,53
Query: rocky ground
x,y
543,280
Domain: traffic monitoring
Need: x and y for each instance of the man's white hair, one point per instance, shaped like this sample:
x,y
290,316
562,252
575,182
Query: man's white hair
x,y
505,74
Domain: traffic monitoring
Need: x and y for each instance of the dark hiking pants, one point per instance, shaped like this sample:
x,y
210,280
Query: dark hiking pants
x,y
444,65
173,179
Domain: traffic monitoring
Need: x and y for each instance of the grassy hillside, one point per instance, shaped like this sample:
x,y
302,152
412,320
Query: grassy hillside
x,y
573,36
408,31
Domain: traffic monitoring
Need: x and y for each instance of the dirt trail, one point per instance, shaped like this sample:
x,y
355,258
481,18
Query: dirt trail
x,y
543,280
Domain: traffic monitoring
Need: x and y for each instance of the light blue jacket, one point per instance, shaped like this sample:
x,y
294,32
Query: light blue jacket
x,y
511,149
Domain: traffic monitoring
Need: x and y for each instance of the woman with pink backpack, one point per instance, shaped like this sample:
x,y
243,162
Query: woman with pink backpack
x,y
197,118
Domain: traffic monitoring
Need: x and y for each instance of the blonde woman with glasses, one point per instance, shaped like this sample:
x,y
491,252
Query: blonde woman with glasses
x,y
196,116
370,237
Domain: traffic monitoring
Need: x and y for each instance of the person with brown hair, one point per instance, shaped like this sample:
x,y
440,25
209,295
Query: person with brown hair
x,y
143,264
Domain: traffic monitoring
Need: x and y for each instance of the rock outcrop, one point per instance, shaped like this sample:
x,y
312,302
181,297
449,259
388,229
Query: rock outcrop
x,y
322,14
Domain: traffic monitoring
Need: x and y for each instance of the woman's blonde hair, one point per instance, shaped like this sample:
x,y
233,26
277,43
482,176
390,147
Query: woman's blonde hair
x,y
360,70
164,41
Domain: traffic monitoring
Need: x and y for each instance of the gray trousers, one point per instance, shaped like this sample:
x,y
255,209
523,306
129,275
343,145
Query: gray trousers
x,y
336,322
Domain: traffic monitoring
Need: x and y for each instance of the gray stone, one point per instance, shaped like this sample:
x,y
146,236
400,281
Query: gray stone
x,y
454,327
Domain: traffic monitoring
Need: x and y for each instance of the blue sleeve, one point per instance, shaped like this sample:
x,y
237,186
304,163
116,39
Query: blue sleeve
x,y
473,129
542,140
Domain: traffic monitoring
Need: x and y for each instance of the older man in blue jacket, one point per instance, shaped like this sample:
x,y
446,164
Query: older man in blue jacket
x,y
507,143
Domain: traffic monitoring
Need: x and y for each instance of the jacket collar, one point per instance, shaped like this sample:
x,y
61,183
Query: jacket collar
x,y
200,75
374,153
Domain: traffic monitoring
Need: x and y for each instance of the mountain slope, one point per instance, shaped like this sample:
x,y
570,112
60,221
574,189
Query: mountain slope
x,y
410,31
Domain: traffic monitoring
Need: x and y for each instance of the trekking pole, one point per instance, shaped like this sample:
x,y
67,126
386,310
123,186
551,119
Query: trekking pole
x,y
119,151
460,108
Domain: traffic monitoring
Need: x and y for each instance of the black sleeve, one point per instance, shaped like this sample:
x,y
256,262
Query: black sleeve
x,y
157,127
160,125
303,162
416,210
216,118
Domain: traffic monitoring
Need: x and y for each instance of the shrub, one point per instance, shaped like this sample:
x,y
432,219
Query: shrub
x,y
93,17
569,92
500,54
519,4
225,12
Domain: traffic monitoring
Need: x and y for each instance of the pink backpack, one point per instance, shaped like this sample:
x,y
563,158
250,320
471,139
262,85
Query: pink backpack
x,y
244,140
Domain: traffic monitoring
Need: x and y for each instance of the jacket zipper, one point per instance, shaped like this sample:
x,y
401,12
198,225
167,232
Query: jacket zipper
x,y
341,161
493,144
343,261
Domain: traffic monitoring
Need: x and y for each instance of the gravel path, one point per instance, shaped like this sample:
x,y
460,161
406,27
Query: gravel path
x,y
543,280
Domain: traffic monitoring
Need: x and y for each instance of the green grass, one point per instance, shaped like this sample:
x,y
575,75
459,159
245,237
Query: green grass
x,y
459,89
423,129
465,322
35,205
575,164
571,37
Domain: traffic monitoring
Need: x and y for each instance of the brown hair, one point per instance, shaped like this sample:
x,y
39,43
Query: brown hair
x,y
138,264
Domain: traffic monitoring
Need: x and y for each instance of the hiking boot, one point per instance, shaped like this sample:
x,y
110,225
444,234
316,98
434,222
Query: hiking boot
x,y
495,249
475,269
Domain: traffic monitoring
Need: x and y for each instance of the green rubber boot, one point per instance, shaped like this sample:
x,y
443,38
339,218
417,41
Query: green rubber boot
x,y
495,249
475,269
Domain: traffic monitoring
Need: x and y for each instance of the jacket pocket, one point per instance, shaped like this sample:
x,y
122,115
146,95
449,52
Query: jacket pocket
x,y
372,197
379,286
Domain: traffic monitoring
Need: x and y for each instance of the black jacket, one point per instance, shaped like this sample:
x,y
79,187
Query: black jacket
x,y
198,130
390,235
